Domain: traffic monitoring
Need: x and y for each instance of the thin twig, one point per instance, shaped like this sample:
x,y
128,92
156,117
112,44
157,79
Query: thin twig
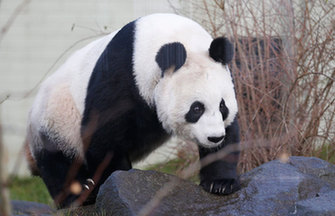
x,y
12,18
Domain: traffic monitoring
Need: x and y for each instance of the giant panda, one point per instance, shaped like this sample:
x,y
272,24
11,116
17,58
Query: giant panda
x,y
118,98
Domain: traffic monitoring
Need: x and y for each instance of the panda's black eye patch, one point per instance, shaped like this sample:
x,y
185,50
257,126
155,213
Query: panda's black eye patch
x,y
196,110
224,110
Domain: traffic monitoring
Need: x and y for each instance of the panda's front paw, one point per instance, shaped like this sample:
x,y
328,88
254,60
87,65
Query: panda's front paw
x,y
89,184
221,186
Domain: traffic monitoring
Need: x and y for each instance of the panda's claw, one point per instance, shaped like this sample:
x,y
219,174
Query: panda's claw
x,y
221,187
89,180
86,187
211,187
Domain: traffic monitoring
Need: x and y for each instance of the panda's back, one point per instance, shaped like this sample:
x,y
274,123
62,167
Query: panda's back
x,y
74,74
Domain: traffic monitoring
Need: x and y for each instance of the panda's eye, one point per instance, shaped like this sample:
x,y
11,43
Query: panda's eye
x,y
224,110
222,105
196,110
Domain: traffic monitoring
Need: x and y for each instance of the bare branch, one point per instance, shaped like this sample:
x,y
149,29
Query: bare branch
x,y
12,18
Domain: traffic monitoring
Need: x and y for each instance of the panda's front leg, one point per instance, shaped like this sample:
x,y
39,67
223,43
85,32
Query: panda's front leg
x,y
220,177
213,182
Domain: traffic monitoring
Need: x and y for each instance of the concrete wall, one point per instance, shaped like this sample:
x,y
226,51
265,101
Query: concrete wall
x,y
42,35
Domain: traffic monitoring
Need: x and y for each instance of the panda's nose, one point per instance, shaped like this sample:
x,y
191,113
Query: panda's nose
x,y
215,139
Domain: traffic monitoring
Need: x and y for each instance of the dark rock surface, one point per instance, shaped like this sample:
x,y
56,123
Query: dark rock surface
x,y
302,186
322,204
26,208
80,211
30,208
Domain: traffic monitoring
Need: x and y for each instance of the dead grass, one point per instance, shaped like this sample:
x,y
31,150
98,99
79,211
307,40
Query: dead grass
x,y
283,71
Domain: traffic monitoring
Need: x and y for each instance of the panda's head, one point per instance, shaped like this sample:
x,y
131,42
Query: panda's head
x,y
195,98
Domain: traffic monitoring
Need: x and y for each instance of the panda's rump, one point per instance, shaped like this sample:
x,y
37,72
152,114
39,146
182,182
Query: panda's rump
x,y
62,121
55,117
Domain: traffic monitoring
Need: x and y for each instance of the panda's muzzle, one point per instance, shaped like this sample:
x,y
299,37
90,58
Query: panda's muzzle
x,y
215,139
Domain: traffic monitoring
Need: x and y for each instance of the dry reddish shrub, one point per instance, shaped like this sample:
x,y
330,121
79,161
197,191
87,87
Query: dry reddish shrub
x,y
283,71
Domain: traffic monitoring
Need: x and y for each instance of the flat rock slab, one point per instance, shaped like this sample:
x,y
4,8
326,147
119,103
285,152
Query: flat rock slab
x,y
302,186
323,204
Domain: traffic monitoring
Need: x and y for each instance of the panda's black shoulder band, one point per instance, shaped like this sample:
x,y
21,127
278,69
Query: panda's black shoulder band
x,y
171,54
221,50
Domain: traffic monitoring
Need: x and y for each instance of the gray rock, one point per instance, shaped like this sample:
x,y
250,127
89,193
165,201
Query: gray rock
x,y
323,204
26,208
126,193
303,186
30,208
79,211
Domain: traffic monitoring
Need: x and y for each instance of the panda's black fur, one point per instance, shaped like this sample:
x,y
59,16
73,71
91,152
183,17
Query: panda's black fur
x,y
171,54
119,126
112,92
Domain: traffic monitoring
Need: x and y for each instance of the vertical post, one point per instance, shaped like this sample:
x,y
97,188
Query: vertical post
x,y
5,207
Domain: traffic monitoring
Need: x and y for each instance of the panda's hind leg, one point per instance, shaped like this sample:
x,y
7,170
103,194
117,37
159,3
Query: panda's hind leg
x,y
59,171
100,165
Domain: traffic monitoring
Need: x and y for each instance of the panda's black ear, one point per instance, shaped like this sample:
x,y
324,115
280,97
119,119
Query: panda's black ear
x,y
221,50
171,55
